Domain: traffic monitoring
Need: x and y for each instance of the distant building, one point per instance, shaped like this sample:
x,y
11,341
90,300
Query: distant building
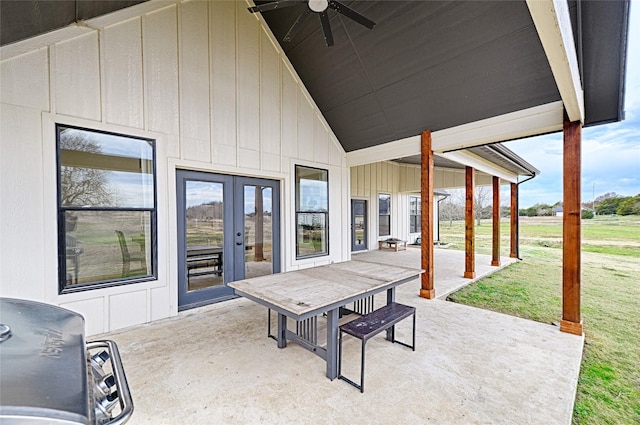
x,y
557,211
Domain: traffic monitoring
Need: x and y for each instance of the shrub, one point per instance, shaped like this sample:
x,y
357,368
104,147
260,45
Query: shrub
x,y
586,214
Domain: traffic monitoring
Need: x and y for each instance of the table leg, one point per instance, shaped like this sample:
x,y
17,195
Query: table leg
x,y
282,330
332,344
391,297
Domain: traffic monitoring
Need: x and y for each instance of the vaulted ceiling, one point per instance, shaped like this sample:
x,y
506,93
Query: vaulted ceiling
x,y
440,64
426,65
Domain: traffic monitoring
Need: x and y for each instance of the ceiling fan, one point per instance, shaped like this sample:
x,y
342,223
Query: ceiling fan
x,y
317,6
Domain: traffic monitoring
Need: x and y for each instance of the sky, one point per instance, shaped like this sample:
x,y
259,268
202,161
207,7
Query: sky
x,y
610,153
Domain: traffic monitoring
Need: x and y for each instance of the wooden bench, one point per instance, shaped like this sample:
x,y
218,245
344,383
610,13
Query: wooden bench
x,y
369,325
204,261
393,243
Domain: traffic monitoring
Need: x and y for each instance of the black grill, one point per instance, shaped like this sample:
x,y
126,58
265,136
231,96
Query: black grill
x,y
49,374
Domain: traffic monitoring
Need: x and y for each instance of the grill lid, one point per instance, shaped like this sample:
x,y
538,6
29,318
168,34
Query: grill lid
x,y
43,366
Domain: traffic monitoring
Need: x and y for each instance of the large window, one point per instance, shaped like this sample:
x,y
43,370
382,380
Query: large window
x,y
384,214
312,212
106,209
414,214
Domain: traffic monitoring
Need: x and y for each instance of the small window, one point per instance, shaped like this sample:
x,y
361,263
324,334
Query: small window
x,y
312,212
414,214
384,214
106,209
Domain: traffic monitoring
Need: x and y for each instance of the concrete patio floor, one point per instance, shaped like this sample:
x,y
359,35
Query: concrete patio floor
x,y
215,365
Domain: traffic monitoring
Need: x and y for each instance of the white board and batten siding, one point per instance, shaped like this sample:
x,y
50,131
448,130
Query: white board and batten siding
x,y
401,181
208,82
371,180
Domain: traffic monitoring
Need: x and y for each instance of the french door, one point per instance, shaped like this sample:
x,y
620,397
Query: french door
x,y
228,229
358,224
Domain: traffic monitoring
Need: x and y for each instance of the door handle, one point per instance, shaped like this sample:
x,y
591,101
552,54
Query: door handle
x,y
238,243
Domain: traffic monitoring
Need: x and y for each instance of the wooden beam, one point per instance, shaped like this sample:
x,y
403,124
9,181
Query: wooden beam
x,y
495,251
469,232
470,159
553,23
427,289
571,320
513,251
514,125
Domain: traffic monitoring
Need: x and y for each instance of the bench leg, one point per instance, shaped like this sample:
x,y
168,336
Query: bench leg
x,y
414,332
413,339
362,367
344,378
269,334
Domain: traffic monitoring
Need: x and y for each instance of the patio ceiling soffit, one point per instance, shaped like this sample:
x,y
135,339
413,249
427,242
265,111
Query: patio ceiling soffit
x,y
475,161
553,24
515,125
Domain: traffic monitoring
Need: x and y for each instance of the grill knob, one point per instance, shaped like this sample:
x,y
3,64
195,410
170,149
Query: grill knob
x,y
100,358
105,384
106,405
5,332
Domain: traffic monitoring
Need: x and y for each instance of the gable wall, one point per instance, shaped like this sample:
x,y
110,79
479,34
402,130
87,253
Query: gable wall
x,y
208,82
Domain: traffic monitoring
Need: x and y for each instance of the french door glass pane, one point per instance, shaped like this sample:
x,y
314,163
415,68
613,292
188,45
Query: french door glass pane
x,y
258,209
204,234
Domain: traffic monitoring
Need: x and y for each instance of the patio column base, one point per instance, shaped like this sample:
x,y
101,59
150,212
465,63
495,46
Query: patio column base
x,y
513,256
470,275
428,293
495,263
571,327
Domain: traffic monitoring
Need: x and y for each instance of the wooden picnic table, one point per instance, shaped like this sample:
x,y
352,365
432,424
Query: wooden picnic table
x,y
306,293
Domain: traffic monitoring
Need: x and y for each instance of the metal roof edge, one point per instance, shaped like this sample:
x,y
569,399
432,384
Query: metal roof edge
x,y
515,158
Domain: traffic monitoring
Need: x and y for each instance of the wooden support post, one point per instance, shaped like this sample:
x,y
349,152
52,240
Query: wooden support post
x,y
513,252
427,289
469,232
495,252
571,320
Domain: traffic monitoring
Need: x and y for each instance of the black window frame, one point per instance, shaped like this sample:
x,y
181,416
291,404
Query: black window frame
x,y
415,217
299,212
63,286
380,215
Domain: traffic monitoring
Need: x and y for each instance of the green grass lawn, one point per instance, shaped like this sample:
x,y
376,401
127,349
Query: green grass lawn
x,y
609,382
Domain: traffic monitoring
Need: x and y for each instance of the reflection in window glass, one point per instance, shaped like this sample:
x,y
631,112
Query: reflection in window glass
x,y
107,245
105,170
414,214
106,208
204,234
312,212
258,230
384,214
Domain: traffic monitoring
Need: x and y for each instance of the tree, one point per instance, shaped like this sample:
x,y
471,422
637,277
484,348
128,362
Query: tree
x,y
608,206
82,185
452,208
629,206
482,196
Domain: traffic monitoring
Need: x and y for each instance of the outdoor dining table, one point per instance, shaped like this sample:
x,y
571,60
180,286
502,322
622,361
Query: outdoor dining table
x,y
307,293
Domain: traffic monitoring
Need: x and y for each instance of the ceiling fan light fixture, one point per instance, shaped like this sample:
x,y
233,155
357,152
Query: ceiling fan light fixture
x,y
318,5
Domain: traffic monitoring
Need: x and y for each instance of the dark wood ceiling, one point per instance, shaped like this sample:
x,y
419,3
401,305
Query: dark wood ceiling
x,y
439,64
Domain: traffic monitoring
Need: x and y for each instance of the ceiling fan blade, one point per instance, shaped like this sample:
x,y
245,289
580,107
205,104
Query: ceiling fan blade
x,y
351,14
326,28
274,5
297,25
